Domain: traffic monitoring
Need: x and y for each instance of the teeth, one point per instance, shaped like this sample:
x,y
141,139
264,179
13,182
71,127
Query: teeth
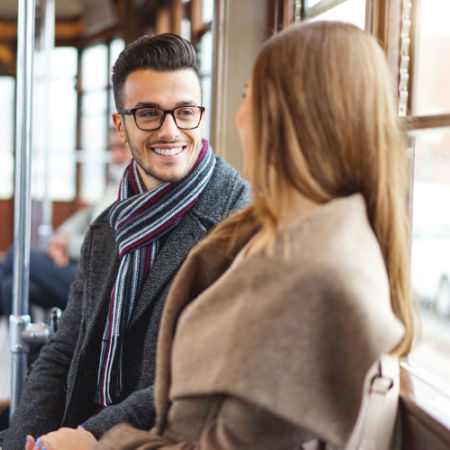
x,y
168,151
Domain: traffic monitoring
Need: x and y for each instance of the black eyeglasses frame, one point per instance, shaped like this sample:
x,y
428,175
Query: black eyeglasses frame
x,y
132,112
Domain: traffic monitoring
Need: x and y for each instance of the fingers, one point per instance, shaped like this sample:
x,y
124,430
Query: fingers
x,y
29,442
39,445
63,439
32,444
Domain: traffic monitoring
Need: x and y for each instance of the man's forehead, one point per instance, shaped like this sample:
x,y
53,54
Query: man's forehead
x,y
147,85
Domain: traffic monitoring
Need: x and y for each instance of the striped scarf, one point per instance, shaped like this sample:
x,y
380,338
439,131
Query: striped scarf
x,y
140,218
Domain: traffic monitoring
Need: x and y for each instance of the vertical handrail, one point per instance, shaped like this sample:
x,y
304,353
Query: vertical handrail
x,y
22,201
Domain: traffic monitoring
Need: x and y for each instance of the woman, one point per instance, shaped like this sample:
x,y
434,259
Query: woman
x,y
275,319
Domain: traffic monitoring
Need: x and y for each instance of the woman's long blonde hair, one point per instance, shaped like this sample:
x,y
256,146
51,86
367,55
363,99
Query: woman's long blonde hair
x,y
324,120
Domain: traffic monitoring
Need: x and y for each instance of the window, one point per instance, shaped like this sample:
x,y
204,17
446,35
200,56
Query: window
x,y
96,106
94,82
206,65
54,125
433,58
116,46
430,250
353,11
7,87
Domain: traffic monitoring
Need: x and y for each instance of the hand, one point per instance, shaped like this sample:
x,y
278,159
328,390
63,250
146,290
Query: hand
x,y
63,439
57,249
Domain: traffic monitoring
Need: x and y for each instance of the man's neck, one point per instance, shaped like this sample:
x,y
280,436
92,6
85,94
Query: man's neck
x,y
150,182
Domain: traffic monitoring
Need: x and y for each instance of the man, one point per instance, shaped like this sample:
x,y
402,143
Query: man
x,y
52,271
98,370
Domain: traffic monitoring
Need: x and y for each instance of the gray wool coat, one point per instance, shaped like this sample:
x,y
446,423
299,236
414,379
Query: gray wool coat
x,y
61,387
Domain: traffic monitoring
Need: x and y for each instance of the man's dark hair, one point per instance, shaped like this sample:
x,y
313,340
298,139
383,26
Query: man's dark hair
x,y
163,52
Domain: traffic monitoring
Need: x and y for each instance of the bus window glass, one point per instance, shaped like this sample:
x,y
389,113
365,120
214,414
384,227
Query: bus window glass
x,y
7,86
433,54
93,156
54,125
207,11
430,254
206,61
93,103
206,64
94,113
310,3
64,62
353,11
94,60
117,45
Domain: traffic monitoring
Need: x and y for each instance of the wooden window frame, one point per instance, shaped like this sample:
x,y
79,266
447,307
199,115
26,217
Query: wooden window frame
x,y
281,14
422,427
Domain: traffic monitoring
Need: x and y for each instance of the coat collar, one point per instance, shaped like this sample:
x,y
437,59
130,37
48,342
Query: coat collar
x,y
205,264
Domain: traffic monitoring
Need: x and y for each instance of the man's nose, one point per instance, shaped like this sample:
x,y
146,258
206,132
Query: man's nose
x,y
169,127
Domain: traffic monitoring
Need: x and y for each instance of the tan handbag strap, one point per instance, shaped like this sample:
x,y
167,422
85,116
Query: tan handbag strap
x,y
374,429
375,426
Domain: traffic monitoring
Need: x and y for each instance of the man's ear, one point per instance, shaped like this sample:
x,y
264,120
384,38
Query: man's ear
x,y
120,126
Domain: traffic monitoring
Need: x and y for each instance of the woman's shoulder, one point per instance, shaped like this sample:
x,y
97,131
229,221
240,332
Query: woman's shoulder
x,y
282,330
336,244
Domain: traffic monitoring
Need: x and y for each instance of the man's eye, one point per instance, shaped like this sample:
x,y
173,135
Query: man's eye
x,y
185,112
148,113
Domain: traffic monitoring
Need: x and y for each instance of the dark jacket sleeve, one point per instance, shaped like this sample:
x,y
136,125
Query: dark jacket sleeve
x,y
41,407
137,409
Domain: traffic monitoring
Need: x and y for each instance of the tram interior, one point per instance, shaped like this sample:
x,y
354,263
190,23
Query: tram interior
x,y
73,102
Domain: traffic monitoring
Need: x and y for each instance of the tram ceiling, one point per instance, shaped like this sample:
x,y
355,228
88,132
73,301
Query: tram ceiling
x,y
80,22
81,18
75,20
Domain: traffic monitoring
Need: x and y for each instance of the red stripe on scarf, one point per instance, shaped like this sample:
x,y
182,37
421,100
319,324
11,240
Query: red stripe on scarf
x,y
146,206
148,256
165,225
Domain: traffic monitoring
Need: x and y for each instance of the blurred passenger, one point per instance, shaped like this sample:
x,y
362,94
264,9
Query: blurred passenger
x,y
53,271
98,370
274,320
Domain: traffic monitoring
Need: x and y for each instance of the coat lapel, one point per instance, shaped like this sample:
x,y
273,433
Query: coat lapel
x,y
170,258
100,288
205,264
96,299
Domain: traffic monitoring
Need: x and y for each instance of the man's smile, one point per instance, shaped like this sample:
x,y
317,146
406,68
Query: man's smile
x,y
168,151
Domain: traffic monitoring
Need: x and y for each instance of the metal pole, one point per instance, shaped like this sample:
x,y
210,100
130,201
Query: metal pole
x,y
48,44
22,202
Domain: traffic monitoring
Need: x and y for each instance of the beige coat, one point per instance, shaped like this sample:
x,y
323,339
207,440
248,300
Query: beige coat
x,y
273,350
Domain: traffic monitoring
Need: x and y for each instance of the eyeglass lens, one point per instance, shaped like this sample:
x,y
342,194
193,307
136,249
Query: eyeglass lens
x,y
185,117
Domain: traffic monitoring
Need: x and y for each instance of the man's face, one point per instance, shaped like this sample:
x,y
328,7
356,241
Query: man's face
x,y
166,90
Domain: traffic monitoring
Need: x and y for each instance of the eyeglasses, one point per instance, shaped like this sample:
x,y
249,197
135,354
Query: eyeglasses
x,y
150,118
